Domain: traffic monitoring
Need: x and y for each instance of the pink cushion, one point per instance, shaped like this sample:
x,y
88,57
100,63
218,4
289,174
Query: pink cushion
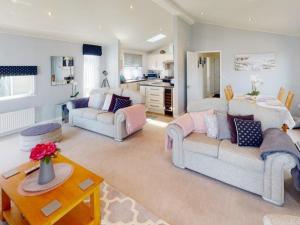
x,y
186,123
198,119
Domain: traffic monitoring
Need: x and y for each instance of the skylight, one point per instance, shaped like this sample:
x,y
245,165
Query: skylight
x,y
156,38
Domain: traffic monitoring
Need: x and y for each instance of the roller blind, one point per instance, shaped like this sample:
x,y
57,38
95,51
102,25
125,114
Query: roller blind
x,y
133,60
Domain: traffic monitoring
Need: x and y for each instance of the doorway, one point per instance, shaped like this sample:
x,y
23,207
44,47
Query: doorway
x,y
203,75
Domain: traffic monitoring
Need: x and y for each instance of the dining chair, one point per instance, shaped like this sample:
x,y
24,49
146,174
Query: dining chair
x,y
281,94
230,90
289,100
227,94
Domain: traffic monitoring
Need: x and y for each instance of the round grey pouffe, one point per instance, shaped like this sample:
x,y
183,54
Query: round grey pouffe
x,y
49,132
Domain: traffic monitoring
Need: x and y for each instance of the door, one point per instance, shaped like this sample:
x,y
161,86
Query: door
x,y
194,77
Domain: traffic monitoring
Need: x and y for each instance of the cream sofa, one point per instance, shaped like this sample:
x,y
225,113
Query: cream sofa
x,y
241,167
106,123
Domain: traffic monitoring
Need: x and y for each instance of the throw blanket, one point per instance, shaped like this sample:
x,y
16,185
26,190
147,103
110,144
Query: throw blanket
x,y
185,122
277,141
135,117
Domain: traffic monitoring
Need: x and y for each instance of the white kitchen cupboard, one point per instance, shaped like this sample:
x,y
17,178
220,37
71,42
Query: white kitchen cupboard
x,y
155,99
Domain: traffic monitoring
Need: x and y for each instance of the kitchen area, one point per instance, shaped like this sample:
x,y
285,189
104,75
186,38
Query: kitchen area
x,y
151,73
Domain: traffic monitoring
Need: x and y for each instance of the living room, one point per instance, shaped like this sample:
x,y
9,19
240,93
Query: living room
x,y
120,87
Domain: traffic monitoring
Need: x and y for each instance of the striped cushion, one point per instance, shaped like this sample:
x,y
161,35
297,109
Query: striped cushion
x,y
121,103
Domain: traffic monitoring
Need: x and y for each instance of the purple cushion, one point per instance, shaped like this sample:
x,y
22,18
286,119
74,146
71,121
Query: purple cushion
x,y
41,129
80,103
121,103
113,101
232,128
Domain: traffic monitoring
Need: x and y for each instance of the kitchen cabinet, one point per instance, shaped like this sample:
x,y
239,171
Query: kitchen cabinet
x,y
156,61
155,99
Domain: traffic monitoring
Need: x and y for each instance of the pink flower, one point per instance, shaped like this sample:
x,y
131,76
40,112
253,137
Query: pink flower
x,y
40,151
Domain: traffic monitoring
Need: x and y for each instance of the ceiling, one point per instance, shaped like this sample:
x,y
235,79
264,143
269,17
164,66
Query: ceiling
x,y
275,16
91,21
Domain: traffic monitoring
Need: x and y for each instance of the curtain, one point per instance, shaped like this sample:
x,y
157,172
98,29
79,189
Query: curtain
x,y
91,74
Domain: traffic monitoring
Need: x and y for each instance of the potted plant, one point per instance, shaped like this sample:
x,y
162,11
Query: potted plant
x,y
255,83
44,153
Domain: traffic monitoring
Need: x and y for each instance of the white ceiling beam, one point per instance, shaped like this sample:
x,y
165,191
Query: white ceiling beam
x,y
174,9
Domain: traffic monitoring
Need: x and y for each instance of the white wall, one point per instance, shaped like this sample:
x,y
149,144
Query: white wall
x,y
112,54
233,41
19,50
182,35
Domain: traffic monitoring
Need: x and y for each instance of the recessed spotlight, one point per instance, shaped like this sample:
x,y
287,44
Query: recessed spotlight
x,y
49,13
250,19
156,38
202,13
131,6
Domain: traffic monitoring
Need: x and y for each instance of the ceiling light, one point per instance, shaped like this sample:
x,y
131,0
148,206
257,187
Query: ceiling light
x,y
131,6
156,38
49,13
250,19
202,13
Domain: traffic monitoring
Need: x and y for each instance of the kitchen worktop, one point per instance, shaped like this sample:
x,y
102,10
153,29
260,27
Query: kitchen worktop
x,y
156,83
133,81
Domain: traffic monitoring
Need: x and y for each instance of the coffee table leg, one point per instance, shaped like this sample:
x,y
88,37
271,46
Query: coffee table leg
x,y
5,203
95,206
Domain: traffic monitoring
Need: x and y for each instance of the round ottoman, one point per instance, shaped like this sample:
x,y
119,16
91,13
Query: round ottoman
x,y
49,132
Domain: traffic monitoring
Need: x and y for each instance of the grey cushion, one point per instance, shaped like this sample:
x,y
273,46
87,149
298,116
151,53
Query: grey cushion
x,y
223,127
107,117
202,144
247,158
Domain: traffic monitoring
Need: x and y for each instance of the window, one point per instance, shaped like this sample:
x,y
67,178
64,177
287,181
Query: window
x,y
91,73
133,66
16,86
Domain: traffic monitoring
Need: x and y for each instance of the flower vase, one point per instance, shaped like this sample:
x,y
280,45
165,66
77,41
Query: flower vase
x,y
46,173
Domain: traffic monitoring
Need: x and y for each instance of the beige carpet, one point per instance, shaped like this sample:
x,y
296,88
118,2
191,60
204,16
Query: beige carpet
x,y
140,168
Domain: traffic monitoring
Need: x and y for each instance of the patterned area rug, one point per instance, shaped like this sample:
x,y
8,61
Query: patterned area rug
x,y
119,209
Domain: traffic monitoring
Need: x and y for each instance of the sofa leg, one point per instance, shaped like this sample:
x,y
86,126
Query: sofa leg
x,y
273,202
119,140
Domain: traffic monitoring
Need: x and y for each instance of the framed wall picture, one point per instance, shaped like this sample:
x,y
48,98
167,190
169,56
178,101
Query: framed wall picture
x,y
255,62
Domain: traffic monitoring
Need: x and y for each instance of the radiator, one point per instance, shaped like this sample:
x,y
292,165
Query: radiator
x,y
14,121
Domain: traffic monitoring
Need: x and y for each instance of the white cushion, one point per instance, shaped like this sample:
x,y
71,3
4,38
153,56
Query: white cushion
x,y
247,158
202,144
107,117
107,102
96,101
211,125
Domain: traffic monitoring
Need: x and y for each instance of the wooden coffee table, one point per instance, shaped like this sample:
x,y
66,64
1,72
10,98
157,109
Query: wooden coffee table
x,y
24,210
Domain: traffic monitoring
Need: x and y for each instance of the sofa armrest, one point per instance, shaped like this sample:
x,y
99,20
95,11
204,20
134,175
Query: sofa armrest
x,y
176,134
275,165
120,120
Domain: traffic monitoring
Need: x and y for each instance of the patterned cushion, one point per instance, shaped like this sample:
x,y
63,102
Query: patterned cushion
x,y
121,103
211,125
249,132
230,119
113,101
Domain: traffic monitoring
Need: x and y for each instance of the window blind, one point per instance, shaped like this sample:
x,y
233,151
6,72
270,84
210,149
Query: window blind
x,y
133,60
6,71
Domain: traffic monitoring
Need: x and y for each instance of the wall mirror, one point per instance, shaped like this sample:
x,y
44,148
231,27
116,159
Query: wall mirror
x,y
62,70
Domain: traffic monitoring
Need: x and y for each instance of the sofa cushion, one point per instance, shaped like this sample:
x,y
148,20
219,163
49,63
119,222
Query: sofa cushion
x,y
87,113
198,119
202,144
113,101
107,118
247,158
96,101
249,133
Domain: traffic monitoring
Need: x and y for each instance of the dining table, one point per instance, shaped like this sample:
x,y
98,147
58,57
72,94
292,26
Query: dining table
x,y
271,103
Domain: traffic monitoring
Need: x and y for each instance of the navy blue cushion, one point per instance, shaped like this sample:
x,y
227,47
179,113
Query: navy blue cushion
x,y
121,103
249,132
80,103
